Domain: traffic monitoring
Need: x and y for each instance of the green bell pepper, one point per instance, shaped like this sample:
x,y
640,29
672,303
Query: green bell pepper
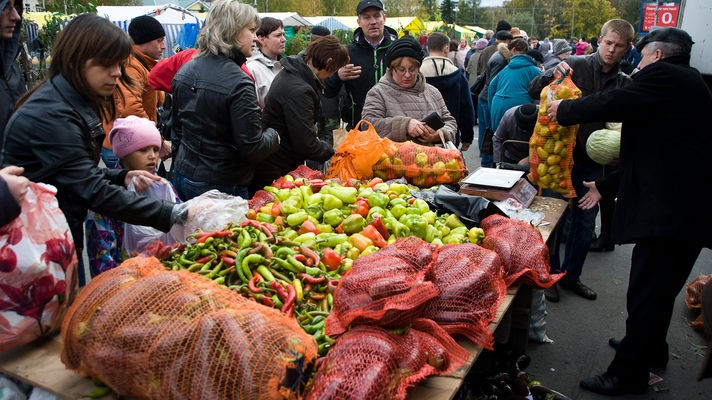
x,y
353,223
416,223
378,199
398,210
331,202
333,217
297,218
292,205
346,194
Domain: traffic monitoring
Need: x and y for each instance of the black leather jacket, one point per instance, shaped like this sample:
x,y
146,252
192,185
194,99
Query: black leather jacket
x,y
57,137
217,132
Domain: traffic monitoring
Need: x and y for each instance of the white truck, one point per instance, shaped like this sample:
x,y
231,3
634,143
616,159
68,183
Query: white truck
x,y
695,17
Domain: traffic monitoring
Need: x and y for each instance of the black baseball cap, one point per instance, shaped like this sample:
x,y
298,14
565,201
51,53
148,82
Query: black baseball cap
x,y
364,4
669,35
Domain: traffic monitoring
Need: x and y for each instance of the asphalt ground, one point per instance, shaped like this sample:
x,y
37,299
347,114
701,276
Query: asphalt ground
x,y
581,328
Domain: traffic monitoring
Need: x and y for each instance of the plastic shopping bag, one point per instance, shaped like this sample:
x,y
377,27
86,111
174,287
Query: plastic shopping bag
x,y
137,237
211,211
38,269
355,158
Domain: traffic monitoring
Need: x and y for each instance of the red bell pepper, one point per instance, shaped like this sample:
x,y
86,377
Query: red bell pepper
x,y
276,209
372,233
308,226
331,259
362,207
381,227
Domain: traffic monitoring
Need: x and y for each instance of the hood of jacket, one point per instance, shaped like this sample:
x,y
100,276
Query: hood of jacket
x,y
9,47
258,56
519,61
504,51
296,65
389,35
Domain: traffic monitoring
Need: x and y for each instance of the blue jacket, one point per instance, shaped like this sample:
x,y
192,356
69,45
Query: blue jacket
x,y
510,87
456,93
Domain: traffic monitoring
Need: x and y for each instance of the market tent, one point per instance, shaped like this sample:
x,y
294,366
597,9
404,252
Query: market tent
x,y
350,21
480,30
288,18
40,17
181,25
329,22
464,33
431,26
413,25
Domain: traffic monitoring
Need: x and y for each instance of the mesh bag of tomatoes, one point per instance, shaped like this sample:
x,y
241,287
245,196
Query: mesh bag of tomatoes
x,y
422,166
150,333
524,255
470,289
551,145
370,362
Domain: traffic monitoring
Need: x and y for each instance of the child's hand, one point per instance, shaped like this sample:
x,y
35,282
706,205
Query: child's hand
x,y
142,180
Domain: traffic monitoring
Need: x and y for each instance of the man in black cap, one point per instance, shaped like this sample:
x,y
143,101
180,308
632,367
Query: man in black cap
x,y
517,124
141,99
666,95
371,40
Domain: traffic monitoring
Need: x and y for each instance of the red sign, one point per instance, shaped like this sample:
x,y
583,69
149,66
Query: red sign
x,y
666,15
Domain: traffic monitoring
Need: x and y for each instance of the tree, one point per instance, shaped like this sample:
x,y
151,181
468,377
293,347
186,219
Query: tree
x,y
429,10
585,18
447,11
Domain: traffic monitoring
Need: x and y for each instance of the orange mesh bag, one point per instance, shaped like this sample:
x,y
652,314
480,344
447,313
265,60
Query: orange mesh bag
x,y
386,288
471,288
522,250
369,362
422,166
551,146
155,334
693,291
357,154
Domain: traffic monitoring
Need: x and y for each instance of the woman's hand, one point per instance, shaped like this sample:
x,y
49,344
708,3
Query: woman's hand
x,y
591,198
165,152
552,109
16,183
416,128
142,180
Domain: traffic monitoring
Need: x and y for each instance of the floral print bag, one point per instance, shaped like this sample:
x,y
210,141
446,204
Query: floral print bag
x,y
38,269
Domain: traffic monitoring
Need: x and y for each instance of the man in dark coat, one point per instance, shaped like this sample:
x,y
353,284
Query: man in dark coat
x,y
666,97
371,40
13,81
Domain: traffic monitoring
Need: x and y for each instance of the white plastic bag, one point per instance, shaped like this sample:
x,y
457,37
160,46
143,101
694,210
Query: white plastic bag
x,y
211,211
137,237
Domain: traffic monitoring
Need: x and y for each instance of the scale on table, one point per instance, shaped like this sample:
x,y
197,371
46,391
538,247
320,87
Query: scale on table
x,y
499,184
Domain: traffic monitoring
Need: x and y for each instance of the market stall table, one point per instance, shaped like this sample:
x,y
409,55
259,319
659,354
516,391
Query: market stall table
x,y
39,364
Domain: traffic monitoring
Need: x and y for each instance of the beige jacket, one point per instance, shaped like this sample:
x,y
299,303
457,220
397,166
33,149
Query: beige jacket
x,y
389,108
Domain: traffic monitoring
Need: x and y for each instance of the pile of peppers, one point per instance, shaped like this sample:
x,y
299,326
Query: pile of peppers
x,y
290,253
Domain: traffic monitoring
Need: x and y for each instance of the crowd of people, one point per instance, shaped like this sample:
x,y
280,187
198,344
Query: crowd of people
x,y
235,113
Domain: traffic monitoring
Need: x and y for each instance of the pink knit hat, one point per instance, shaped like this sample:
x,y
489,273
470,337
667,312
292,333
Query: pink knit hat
x,y
133,133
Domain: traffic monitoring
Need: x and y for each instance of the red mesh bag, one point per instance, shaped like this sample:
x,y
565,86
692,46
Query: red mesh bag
x,y
551,145
369,362
386,288
693,291
524,254
422,166
305,172
259,199
155,334
471,288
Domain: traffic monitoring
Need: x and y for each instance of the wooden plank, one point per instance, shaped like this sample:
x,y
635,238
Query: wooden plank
x,y
39,364
553,209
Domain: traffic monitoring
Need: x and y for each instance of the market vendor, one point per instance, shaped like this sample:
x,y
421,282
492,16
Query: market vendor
x,y
402,98
666,97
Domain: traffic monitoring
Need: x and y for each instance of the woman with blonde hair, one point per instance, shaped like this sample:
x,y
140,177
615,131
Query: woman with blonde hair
x,y
217,134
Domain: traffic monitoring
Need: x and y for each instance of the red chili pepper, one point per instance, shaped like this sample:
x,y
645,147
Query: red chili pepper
x,y
267,301
252,284
277,287
411,200
306,278
203,260
373,182
331,285
289,301
228,260
258,225
362,207
311,254
301,258
222,234
205,237
308,226
380,226
276,209
331,259
372,233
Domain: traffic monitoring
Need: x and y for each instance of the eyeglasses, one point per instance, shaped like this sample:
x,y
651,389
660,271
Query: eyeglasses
x,y
402,71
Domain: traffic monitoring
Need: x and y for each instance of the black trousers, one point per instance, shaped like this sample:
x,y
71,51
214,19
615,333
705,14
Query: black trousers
x,y
659,270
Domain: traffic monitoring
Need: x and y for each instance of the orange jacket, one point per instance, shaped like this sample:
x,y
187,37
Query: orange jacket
x,y
141,99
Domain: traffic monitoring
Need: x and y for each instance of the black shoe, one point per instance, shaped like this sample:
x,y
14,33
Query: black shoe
x,y
612,385
599,245
552,293
580,289
658,362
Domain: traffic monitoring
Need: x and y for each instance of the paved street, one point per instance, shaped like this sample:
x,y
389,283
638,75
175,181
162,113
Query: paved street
x,y
580,329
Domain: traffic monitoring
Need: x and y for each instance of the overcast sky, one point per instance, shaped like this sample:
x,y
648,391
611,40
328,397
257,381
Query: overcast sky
x,y
491,3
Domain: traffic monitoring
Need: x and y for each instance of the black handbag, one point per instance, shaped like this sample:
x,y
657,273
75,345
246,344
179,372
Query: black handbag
x,y
478,85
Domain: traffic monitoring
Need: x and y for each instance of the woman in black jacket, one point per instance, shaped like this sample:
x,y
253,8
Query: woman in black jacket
x,y
293,108
56,132
217,133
